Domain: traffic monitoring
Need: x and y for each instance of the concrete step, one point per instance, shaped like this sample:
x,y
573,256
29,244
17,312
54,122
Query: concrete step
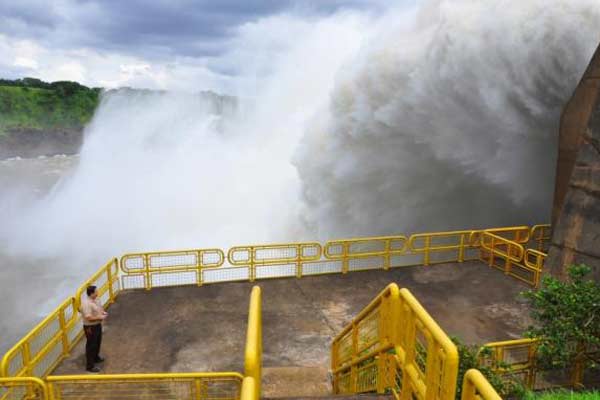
x,y
295,382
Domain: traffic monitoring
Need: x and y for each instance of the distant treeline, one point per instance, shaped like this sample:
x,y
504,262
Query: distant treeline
x,y
65,87
32,104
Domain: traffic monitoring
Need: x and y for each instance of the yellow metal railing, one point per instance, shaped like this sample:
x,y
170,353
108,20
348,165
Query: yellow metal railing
x,y
193,386
46,345
382,248
253,351
511,256
476,387
393,344
51,340
274,260
454,245
249,390
168,268
518,234
425,354
185,386
359,353
19,388
541,235
516,360
38,353
255,262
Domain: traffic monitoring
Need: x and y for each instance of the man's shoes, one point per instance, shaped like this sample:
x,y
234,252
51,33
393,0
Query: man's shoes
x,y
93,369
99,359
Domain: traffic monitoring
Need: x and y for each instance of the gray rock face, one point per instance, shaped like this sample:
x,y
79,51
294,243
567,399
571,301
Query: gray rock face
x,y
576,213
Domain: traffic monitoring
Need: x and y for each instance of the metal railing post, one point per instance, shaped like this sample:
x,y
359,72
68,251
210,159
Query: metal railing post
x,y
345,264
63,332
147,277
252,265
427,246
386,257
353,368
461,249
111,295
199,265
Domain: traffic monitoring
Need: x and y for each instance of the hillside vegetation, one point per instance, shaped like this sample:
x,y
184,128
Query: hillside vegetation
x,y
40,118
31,104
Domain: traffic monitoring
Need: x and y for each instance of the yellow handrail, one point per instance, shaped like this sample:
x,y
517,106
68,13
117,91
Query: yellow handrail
x,y
541,234
466,240
249,390
476,387
167,375
518,358
31,388
253,351
514,251
29,358
370,335
192,385
513,357
515,260
441,364
385,340
278,260
170,262
519,234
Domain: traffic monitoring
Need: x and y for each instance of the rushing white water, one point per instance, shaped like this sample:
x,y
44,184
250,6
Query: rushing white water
x,y
436,117
165,171
451,123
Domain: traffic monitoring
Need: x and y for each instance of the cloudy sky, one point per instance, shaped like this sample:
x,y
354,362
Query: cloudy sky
x,y
151,43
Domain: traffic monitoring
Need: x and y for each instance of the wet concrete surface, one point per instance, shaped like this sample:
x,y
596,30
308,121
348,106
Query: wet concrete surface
x,y
185,329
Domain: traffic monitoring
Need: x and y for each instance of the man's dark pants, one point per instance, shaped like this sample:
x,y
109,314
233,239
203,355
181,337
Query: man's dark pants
x,y
93,334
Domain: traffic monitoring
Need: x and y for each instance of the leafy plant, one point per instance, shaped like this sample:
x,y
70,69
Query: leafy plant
x,y
567,319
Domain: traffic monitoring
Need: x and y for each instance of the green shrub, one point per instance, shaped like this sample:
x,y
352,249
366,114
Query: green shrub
x,y
567,319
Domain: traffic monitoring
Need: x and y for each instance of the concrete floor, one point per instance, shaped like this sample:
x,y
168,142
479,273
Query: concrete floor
x,y
186,329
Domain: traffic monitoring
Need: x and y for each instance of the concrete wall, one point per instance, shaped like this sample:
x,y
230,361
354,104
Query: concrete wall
x,y
576,210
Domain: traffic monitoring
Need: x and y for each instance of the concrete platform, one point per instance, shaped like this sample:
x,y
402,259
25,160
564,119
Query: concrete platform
x,y
186,329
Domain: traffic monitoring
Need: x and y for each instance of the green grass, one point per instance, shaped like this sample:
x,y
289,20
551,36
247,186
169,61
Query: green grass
x,y
563,395
44,109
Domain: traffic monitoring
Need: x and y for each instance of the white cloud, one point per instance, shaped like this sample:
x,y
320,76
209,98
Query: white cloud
x,y
94,68
25,62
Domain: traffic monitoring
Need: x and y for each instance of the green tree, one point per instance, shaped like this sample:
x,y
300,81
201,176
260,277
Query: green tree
x,y
567,319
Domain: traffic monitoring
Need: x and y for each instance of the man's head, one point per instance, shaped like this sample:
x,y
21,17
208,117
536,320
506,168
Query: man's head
x,y
91,292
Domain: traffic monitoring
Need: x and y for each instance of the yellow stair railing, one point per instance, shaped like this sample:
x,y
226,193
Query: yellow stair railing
x,y
253,351
476,387
192,386
19,388
516,360
394,344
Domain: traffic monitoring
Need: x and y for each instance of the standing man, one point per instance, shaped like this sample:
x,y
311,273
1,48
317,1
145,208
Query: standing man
x,y
92,315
